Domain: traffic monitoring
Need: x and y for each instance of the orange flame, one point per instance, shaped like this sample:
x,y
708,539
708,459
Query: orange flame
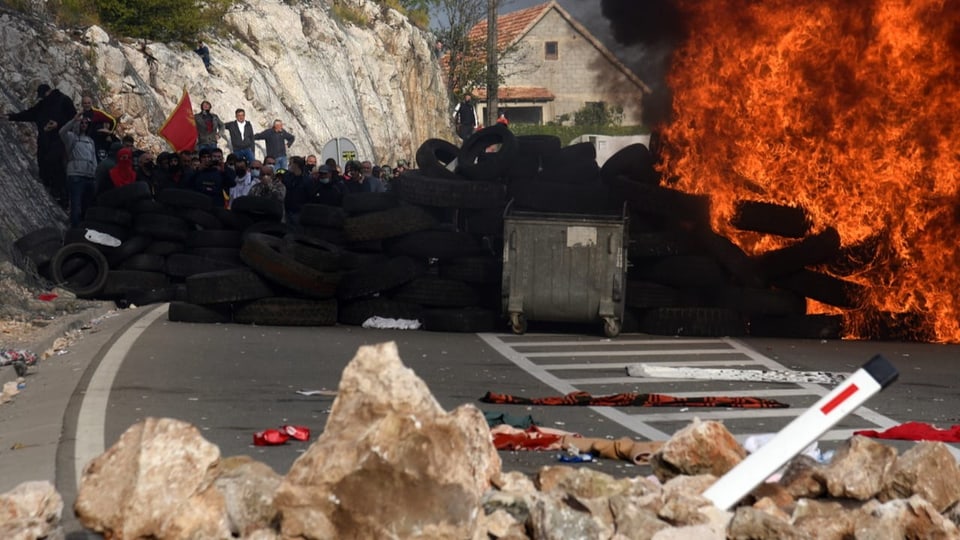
x,y
849,109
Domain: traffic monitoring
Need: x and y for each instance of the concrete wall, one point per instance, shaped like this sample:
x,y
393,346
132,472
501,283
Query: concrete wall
x,y
581,73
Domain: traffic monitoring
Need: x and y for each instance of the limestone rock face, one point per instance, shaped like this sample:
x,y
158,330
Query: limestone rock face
x,y
378,85
390,461
903,518
155,481
248,488
31,510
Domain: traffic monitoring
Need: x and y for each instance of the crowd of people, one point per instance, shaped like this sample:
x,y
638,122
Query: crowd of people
x,y
80,156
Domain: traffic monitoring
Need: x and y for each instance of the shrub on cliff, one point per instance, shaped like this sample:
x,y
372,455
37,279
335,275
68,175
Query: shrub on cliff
x,y
157,20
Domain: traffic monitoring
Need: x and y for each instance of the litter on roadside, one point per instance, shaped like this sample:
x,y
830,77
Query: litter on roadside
x,y
725,374
386,323
536,438
277,437
631,399
328,393
20,359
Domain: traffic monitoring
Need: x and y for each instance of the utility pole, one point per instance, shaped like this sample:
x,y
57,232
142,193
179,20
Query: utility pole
x,y
493,76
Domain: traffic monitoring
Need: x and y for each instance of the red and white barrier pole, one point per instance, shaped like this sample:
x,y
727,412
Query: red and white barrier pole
x,y
874,376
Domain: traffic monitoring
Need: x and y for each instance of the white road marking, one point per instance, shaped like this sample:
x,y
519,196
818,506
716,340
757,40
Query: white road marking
x,y
512,347
93,409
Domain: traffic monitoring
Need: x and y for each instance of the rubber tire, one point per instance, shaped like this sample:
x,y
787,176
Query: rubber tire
x,y
437,292
87,288
40,245
130,247
434,244
154,295
373,279
162,226
277,311
434,156
823,288
477,269
213,238
366,202
635,162
387,223
798,326
770,218
475,163
105,214
184,199
184,265
812,250
322,215
264,254
143,262
417,188
121,282
258,208
201,219
700,322
124,196
317,254
470,320
193,313
233,285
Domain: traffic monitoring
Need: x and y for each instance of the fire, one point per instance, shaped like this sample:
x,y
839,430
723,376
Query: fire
x,y
848,109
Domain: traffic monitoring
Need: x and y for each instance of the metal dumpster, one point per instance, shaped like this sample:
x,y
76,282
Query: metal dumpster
x,y
564,268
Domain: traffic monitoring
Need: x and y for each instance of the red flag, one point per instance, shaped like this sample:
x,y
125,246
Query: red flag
x,y
180,129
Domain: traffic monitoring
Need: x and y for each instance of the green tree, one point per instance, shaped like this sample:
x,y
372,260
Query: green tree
x,y
162,20
598,113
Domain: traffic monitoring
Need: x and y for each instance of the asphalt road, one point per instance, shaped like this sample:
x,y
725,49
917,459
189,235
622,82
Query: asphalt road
x,y
233,380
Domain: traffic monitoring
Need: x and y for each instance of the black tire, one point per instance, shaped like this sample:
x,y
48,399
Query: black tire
x,y
567,170
823,288
770,218
272,228
483,222
161,226
201,219
144,262
322,215
265,254
470,320
233,285
733,259
434,244
701,322
334,235
477,269
105,214
812,250
662,202
750,302
185,199
646,295
647,246
83,284
858,257
476,163
155,295
163,247
798,326
193,313
357,312
287,312
365,202
354,260
121,282
684,271
130,247
435,157
258,208
231,220
546,196
229,255
634,162
387,223
317,254
418,188
376,278
213,238
125,196
149,206
437,292
40,245
538,145
184,265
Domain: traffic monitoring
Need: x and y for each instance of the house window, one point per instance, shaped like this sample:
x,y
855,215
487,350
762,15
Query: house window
x,y
551,50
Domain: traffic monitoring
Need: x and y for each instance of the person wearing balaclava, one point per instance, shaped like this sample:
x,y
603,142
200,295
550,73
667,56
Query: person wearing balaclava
x,y
123,173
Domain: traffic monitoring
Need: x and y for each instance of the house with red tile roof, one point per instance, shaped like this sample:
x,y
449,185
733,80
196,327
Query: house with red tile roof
x,y
554,66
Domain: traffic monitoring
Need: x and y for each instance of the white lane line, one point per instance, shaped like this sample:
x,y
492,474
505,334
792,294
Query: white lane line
x,y
656,342
93,409
672,352
621,366
705,413
560,385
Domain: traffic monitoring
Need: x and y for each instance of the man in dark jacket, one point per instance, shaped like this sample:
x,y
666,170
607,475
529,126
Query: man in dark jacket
x,y
277,140
211,178
323,189
295,180
241,136
50,113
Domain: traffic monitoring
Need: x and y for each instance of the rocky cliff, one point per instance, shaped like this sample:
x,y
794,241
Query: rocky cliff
x,y
376,84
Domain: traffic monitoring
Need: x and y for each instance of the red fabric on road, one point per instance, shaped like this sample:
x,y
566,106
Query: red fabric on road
x,y
631,399
915,431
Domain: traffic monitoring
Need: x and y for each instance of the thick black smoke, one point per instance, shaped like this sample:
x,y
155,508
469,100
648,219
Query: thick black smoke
x,y
657,27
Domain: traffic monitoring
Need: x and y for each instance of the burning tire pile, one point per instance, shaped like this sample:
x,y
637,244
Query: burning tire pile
x,y
431,249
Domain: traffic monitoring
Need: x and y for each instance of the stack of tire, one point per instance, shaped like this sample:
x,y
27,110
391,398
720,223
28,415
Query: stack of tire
x,y
685,279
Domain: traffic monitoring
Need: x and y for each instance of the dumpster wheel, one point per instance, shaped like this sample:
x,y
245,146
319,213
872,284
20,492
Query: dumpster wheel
x,y
518,323
611,327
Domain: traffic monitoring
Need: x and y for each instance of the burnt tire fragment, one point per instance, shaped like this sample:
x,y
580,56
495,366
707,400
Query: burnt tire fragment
x,y
771,218
823,288
812,250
